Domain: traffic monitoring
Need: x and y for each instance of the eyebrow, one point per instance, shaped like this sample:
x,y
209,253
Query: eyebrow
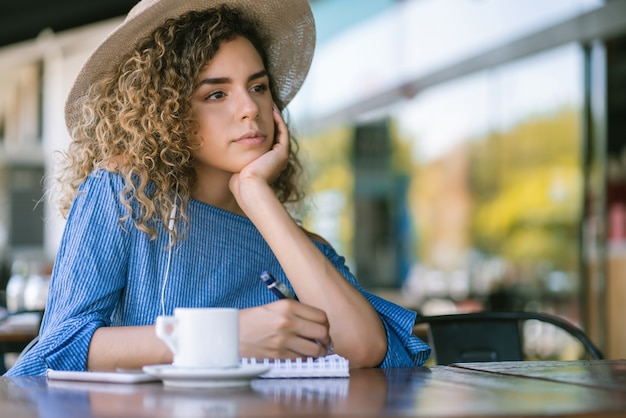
x,y
226,80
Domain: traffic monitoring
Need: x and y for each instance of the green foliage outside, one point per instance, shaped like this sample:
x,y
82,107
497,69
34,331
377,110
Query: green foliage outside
x,y
526,185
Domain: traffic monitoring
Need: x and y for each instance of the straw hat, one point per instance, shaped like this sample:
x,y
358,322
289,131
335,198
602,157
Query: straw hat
x,y
288,25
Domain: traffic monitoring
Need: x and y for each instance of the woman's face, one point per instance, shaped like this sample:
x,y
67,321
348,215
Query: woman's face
x,y
232,104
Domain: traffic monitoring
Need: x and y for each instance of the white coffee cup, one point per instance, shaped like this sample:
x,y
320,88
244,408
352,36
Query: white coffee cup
x,y
201,337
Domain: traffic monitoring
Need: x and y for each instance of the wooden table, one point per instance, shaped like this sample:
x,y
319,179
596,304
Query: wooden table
x,y
581,389
606,374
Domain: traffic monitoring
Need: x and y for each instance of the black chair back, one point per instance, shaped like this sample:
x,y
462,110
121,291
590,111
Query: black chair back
x,y
489,336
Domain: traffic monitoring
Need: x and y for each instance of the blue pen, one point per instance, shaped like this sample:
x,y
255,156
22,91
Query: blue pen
x,y
283,292
276,286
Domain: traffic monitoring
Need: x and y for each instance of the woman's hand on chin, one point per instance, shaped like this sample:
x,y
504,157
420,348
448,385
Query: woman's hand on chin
x,y
268,166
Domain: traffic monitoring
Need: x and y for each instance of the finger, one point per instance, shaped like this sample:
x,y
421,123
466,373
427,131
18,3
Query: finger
x,y
282,132
317,333
304,347
296,346
304,321
307,312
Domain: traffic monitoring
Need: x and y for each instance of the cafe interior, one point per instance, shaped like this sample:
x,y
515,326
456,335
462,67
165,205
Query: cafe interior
x,y
465,156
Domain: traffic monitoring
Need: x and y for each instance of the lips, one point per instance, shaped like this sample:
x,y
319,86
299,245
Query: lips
x,y
251,138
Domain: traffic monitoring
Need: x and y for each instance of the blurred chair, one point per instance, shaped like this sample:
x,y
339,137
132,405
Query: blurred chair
x,y
18,332
489,336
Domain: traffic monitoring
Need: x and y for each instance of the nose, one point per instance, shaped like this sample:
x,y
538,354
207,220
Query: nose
x,y
248,107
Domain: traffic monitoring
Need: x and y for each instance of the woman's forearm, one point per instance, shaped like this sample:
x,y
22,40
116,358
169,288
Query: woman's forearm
x,y
317,282
114,348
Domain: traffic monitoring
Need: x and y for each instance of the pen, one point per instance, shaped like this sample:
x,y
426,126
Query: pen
x,y
276,286
282,292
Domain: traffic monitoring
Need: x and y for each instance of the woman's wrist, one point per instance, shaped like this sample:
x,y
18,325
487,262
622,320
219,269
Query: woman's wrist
x,y
252,194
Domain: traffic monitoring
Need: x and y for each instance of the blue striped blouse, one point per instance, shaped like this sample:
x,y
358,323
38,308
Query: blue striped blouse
x,y
111,274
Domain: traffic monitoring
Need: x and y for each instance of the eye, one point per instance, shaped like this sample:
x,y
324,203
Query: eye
x,y
260,88
216,95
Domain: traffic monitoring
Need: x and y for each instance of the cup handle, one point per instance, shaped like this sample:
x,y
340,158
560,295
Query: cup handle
x,y
166,330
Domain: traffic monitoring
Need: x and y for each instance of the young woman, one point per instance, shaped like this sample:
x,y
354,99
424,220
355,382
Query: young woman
x,y
177,188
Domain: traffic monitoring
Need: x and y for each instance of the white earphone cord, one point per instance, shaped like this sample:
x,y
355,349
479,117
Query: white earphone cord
x,y
169,258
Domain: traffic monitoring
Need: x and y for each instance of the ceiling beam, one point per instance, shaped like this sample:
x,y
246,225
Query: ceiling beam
x,y
22,20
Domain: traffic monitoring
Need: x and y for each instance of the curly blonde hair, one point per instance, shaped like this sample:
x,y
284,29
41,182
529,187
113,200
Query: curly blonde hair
x,y
138,121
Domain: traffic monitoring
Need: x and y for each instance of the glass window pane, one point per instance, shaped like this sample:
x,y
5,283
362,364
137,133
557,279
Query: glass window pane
x,y
496,188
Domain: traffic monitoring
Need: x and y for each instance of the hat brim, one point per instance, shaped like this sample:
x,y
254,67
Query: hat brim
x,y
288,25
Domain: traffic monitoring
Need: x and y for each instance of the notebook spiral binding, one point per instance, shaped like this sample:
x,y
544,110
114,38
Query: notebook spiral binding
x,y
329,366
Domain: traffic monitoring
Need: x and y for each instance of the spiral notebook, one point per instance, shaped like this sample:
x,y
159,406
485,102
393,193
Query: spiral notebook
x,y
329,366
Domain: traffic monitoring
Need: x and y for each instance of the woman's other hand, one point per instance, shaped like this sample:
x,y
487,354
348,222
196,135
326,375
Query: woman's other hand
x,y
283,329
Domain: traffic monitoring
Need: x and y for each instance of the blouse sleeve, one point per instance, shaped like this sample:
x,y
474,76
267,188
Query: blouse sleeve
x,y
404,349
89,275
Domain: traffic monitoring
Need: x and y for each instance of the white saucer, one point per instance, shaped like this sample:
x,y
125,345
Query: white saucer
x,y
206,378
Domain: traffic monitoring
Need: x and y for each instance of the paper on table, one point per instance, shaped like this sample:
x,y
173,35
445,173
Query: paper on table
x,y
108,377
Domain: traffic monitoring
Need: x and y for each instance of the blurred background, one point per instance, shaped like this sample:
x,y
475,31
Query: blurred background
x,y
462,154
